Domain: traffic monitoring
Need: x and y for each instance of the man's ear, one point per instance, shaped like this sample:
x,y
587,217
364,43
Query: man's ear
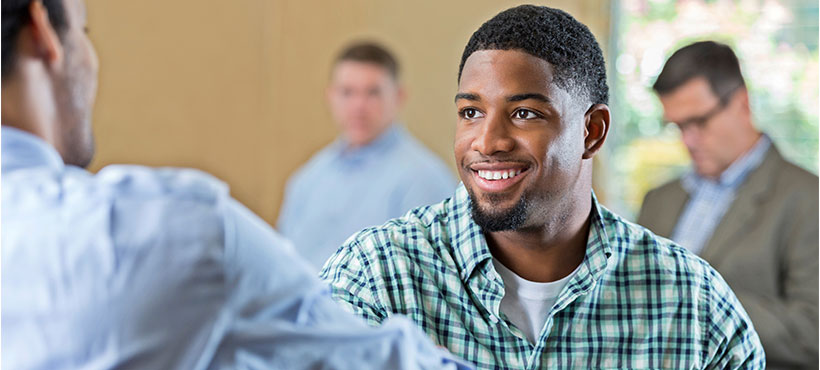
x,y
596,127
46,42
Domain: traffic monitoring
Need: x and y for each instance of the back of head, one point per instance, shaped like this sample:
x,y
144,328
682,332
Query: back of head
x,y
715,62
15,18
370,52
552,35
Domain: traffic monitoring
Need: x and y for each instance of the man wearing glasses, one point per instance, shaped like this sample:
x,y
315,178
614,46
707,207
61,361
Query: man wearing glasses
x,y
743,208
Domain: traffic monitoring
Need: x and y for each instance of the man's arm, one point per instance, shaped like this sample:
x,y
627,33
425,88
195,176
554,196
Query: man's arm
x,y
352,283
734,344
282,316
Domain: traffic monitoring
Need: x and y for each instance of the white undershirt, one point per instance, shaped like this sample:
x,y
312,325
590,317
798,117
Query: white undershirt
x,y
527,303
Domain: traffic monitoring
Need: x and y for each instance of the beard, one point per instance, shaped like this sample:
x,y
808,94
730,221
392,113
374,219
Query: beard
x,y
492,220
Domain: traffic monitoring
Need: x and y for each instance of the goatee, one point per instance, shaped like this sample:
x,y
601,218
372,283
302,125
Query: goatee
x,y
500,220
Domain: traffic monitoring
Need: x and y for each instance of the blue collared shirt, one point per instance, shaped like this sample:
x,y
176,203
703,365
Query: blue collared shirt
x,y
710,199
341,190
161,269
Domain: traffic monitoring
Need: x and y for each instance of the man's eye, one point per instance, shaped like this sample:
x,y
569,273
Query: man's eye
x,y
470,113
525,114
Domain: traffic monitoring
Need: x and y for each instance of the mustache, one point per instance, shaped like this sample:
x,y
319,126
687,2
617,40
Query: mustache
x,y
479,159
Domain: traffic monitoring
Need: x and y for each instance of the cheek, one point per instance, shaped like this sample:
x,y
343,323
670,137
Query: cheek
x,y
564,152
462,143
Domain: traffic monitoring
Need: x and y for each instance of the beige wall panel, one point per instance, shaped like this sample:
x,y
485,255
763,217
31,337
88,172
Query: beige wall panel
x,y
236,88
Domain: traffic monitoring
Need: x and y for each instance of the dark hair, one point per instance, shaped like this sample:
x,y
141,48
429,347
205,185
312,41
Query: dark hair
x,y
714,61
370,52
15,17
552,35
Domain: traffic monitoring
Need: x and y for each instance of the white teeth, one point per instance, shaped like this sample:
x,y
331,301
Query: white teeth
x,y
498,175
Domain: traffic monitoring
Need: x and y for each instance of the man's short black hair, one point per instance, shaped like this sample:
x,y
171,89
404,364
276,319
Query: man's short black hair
x,y
715,62
552,35
15,17
370,52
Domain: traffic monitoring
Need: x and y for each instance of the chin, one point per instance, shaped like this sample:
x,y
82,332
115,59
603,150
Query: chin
x,y
498,212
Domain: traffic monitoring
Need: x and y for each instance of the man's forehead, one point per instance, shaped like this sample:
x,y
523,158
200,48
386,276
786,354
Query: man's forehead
x,y
506,72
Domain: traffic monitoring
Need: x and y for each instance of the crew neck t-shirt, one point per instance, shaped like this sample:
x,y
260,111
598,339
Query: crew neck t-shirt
x,y
527,303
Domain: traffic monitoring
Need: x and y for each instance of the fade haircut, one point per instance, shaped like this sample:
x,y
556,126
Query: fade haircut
x,y
552,35
15,17
715,62
370,52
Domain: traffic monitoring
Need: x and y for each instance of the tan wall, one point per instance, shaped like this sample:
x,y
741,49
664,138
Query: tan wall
x,y
236,87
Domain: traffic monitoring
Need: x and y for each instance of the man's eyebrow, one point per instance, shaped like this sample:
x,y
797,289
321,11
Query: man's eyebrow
x,y
467,96
527,96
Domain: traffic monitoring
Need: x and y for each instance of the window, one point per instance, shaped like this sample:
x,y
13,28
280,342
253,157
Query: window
x,y
776,41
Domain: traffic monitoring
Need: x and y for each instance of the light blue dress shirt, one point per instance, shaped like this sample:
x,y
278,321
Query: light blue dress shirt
x,y
341,191
161,269
710,199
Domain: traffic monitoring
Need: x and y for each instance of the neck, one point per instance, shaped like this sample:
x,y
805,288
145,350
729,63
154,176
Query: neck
x,y
27,105
745,143
548,252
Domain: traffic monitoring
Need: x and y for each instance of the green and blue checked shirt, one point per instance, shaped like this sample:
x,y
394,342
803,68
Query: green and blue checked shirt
x,y
637,301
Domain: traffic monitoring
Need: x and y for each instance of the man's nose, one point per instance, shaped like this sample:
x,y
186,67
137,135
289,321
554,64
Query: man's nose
x,y
690,136
494,136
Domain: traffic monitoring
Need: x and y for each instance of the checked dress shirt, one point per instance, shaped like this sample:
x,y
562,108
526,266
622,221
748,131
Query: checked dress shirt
x,y
637,300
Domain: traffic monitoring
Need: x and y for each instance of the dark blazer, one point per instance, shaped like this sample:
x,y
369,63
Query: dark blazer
x,y
766,247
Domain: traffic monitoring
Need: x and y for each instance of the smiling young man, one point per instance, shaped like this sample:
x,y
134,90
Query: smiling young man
x,y
522,268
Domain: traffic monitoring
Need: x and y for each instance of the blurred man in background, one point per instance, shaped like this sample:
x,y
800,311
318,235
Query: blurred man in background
x,y
743,208
373,172
137,268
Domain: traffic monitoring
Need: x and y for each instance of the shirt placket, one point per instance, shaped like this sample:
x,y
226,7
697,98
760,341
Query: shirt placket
x,y
488,289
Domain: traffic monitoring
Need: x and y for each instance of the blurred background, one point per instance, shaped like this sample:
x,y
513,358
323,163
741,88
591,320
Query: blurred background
x,y
237,88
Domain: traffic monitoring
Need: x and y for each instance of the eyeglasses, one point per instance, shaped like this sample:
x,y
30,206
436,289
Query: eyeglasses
x,y
700,122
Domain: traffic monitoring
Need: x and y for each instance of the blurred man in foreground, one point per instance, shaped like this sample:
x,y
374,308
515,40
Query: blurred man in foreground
x,y
373,172
141,268
743,208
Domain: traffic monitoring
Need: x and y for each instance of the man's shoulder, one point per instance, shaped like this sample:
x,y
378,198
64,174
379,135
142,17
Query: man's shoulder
x,y
417,157
418,229
422,234
672,186
182,184
792,175
664,266
316,165
640,249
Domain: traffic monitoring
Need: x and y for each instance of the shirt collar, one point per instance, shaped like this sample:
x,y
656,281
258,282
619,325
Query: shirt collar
x,y
380,145
21,150
471,247
734,175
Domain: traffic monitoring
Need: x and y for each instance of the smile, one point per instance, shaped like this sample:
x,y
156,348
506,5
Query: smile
x,y
497,179
498,175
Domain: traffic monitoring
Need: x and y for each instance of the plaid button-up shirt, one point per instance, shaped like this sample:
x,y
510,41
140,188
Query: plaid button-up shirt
x,y
637,300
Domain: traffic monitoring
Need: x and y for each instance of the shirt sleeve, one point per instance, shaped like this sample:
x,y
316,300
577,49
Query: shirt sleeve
x,y
279,315
733,342
352,283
